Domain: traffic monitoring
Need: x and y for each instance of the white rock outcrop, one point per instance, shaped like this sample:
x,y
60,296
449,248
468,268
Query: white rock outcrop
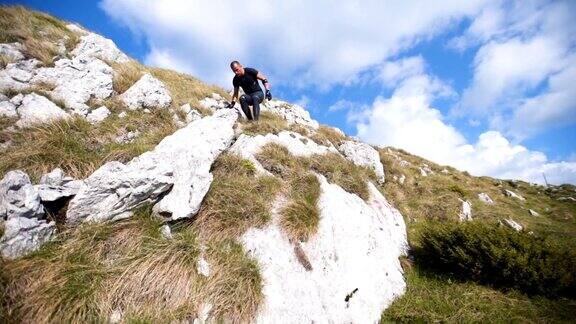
x,y
148,92
191,151
8,109
248,146
293,114
180,162
54,186
363,154
354,271
38,109
13,51
77,81
533,212
24,230
513,225
96,46
465,211
512,194
485,198
97,115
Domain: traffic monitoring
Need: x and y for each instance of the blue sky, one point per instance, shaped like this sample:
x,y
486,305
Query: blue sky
x,y
482,85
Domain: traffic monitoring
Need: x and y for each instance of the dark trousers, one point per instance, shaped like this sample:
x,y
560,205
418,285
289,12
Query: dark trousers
x,y
253,99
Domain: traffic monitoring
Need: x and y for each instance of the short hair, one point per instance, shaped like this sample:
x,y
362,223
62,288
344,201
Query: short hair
x,y
234,63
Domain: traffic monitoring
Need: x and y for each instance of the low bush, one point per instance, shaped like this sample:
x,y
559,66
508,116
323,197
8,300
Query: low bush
x,y
498,256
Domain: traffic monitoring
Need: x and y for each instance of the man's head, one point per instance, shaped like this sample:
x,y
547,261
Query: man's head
x,y
237,68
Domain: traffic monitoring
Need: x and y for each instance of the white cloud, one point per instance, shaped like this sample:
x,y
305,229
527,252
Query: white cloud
x,y
406,120
318,42
524,69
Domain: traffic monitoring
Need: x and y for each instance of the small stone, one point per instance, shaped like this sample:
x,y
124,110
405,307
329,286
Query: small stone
x,y
466,211
97,115
122,114
485,198
513,194
203,267
512,224
166,232
38,109
533,213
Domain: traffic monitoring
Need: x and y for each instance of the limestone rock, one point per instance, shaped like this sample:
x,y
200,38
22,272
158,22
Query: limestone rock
x,y
191,114
8,109
148,92
24,235
203,267
128,137
293,114
18,197
248,146
512,194
115,189
364,155
533,213
38,109
355,270
513,225
97,115
402,179
166,232
122,114
215,102
485,198
17,99
54,186
466,211
77,81
96,46
191,151
12,51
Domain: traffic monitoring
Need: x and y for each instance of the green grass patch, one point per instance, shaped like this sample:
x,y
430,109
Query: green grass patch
x,y
268,123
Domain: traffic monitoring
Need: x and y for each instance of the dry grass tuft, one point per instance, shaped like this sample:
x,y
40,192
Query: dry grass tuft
x,y
268,123
300,216
38,32
237,200
127,266
185,88
344,173
326,135
125,75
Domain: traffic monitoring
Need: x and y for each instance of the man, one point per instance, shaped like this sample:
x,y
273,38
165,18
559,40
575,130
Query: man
x,y
247,78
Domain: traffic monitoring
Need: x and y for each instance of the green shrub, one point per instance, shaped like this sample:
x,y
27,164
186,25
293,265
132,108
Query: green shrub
x,y
498,256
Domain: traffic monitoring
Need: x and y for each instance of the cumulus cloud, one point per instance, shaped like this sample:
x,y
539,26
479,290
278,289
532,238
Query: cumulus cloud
x,y
407,120
321,42
524,69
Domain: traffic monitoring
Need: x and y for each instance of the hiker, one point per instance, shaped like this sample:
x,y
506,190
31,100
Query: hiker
x,y
247,78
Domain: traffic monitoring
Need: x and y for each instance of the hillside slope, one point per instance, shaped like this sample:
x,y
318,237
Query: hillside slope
x,y
141,198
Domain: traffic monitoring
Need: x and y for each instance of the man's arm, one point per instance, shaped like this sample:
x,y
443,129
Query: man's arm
x,y
235,95
262,77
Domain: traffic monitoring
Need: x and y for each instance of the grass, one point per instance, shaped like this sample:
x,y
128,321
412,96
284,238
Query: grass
x,y
125,75
268,123
326,135
432,297
344,173
237,199
79,148
90,271
300,216
38,32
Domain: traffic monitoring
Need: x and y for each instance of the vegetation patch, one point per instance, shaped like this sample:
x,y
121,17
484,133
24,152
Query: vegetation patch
x,y
268,123
237,199
125,75
38,32
432,297
498,256
326,135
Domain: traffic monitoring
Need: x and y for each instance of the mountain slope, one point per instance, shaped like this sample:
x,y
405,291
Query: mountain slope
x,y
285,207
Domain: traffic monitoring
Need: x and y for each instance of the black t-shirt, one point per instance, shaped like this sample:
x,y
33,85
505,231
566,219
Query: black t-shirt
x,y
248,81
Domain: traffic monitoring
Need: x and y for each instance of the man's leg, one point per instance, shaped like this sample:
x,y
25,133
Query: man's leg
x,y
257,98
244,104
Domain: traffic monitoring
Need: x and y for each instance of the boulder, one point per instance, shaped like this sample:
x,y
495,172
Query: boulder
x,y
77,81
148,92
191,151
485,198
8,109
54,186
363,155
13,51
466,211
24,235
354,271
18,197
96,46
97,115
293,114
512,194
180,162
115,189
191,114
533,213
512,224
38,109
